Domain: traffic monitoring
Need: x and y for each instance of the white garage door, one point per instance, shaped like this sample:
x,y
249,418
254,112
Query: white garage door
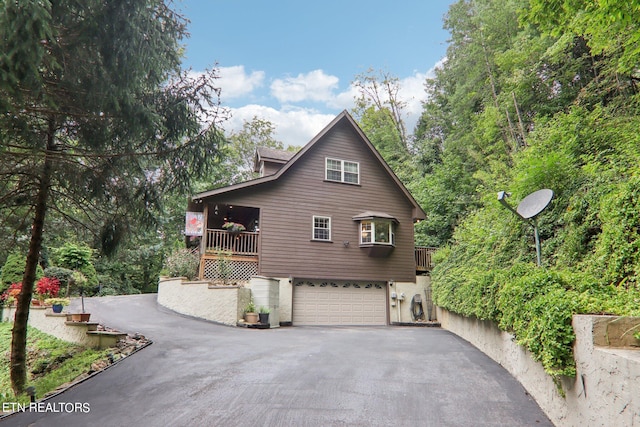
x,y
327,302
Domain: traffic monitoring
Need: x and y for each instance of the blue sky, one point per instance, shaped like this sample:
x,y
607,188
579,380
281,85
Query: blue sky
x,y
292,62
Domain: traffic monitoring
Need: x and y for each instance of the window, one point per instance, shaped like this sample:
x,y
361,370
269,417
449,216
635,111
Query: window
x,y
367,232
342,171
378,231
322,228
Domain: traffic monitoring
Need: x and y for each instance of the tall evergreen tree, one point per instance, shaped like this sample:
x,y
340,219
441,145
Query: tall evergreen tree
x,y
96,116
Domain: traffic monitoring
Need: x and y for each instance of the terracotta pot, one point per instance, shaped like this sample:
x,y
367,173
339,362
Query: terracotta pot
x,y
251,317
80,317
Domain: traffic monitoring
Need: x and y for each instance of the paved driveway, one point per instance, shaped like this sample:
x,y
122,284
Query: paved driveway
x,y
201,374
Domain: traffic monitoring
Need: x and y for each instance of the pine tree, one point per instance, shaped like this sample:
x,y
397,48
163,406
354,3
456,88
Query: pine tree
x,y
96,117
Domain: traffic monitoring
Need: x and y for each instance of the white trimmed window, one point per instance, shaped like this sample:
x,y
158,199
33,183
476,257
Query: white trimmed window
x,y
322,228
379,231
342,171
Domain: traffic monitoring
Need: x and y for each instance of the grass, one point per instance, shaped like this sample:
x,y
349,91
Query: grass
x,y
51,362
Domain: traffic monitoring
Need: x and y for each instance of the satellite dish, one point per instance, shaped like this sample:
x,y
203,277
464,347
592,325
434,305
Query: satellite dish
x,y
534,203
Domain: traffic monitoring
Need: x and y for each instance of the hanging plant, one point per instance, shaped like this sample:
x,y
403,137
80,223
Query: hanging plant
x,y
233,227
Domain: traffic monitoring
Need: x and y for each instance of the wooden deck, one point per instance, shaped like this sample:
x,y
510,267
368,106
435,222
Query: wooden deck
x,y
423,258
242,248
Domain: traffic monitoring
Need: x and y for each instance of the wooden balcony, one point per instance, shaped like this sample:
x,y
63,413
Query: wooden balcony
x,y
423,258
229,256
242,252
244,243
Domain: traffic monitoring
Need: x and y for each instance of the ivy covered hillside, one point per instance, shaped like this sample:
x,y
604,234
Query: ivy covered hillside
x,y
535,94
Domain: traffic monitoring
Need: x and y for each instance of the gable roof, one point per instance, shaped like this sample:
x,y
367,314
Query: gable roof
x,y
418,213
274,155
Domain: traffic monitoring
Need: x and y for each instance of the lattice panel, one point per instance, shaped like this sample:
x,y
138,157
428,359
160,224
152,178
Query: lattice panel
x,y
238,270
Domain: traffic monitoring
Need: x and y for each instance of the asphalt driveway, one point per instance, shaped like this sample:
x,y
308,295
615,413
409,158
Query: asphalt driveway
x,y
201,374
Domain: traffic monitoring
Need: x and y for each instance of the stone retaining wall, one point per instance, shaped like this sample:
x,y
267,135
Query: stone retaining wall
x,y
606,389
45,320
221,304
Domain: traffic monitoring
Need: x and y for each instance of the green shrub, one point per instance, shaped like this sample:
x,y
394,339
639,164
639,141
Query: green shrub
x,y
77,257
72,256
62,274
537,306
182,263
121,285
13,271
107,291
617,251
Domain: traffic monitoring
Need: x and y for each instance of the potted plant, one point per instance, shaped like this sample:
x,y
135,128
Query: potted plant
x,y
57,304
250,315
233,227
264,315
80,280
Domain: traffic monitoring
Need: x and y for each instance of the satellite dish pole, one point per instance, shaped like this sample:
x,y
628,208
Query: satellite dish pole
x,y
536,236
528,209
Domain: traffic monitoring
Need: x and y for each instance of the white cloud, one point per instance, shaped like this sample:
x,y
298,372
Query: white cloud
x,y
313,86
412,91
235,82
344,100
296,124
293,126
413,94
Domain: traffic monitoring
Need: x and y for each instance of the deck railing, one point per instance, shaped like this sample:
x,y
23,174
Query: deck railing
x,y
423,258
244,243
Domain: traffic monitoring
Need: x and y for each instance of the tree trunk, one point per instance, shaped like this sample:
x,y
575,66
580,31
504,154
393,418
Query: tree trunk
x,y
520,124
18,368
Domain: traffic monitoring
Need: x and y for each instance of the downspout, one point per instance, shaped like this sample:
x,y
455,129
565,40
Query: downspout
x,y
400,299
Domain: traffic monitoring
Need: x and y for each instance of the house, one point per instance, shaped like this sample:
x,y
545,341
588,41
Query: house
x,y
331,224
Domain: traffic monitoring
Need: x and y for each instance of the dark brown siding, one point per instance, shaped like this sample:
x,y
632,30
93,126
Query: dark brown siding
x,y
288,205
270,168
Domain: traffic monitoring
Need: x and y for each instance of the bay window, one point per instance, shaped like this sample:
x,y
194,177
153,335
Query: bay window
x,y
377,231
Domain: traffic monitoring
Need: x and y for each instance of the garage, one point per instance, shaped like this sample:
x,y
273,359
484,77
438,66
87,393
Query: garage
x,y
331,302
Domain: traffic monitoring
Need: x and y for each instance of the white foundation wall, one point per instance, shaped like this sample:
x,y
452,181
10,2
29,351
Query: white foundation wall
x,y
605,391
222,304
401,313
286,300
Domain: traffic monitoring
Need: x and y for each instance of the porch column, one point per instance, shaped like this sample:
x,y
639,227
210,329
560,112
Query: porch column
x,y
205,226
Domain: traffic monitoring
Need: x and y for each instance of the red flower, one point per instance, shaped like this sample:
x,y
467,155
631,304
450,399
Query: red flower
x,y
48,287
14,289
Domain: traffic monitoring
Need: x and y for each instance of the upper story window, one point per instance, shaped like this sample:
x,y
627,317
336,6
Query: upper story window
x,y
322,228
342,171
